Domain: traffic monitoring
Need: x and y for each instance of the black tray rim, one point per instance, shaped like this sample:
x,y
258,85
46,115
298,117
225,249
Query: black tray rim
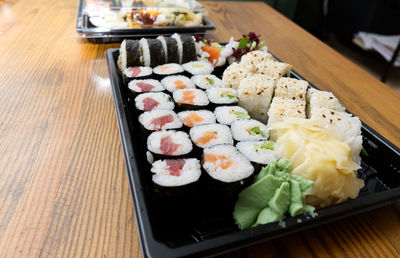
x,y
97,33
237,240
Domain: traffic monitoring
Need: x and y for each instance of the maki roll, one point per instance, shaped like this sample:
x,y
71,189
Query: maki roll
x,y
168,69
227,114
157,55
169,143
160,119
170,47
176,172
207,135
197,117
189,52
222,95
131,73
206,81
176,82
129,54
198,67
145,52
177,37
249,130
260,153
140,86
190,98
154,100
226,164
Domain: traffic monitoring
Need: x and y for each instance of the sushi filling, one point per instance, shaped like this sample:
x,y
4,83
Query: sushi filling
x,y
206,81
195,118
207,135
160,119
169,143
198,67
261,152
226,164
222,95
138,71
228,114
145,85
168,69
154,100
176,172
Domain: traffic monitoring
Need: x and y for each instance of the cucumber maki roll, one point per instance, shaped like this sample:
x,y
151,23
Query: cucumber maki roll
x,y
260,153
227,114
157,55
206,81
153,100
198,67
222,95
249,130
188,47
169,143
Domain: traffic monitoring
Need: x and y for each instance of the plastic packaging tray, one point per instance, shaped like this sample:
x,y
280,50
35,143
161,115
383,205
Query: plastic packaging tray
x,y
102,35
208,229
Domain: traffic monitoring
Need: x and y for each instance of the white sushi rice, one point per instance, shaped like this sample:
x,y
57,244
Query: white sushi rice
x,y
227,114
206,81
145,57
148,117
273,69
221,134
239,168
164,46
189,173
200,97
177,137
255,94
234,73
164,100
144,71
168,69
282,107
122,55
291,88
322,99
157,86
170,84
257,152
198,67
254,57
222,95
207,117
177,37
249,130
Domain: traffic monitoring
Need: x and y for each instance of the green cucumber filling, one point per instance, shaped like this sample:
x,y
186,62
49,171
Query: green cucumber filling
x,y
267,145
240,114
210,81
256,131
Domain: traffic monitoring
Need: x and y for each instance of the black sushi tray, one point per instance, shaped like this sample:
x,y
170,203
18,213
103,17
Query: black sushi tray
x,y
103,35
206,228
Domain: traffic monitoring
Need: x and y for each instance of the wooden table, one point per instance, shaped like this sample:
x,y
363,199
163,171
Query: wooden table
x,y
63,186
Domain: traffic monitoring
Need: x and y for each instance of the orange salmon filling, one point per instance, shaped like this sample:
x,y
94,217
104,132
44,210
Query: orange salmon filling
x,y
180,84
188,97
224,162
214,53
192,119
166,67
207,137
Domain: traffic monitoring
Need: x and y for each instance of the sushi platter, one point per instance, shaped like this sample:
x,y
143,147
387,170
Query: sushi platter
x,y
112,21
200,149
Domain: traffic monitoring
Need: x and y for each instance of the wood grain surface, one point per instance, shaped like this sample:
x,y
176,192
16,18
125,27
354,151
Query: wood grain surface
x,y
63,185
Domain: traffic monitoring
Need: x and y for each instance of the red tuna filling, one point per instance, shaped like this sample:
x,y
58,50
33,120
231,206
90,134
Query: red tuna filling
x,y
175,166
167,146
133,71
149,104
159,122
144,87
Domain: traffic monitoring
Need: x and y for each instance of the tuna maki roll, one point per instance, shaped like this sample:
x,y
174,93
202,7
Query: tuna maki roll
x,y
137,72
176,82
168,69
169,143
154,100
206,81
190,98
140,86
228,114
198,67
226,164
176,172
160,119
196,117
249,130
207,135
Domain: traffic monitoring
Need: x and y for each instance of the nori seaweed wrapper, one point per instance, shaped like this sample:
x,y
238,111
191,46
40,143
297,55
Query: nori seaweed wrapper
x,y
157,54
172,47
133,53
189,49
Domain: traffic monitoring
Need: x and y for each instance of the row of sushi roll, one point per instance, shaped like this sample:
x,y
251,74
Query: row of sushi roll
x,y
295,144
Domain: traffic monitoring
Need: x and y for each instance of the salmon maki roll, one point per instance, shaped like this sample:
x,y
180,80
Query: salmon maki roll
x,y
196,117
207,135
190,98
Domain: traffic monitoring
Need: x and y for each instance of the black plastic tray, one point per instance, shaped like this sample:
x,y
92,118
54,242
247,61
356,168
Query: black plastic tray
x,y
173,231
101,35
